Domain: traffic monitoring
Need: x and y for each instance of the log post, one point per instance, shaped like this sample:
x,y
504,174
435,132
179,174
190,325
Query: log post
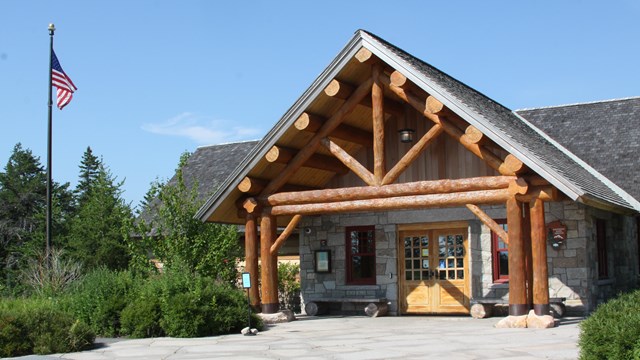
x,y
251,258
539,254
526,237
269,265
517,279
377,99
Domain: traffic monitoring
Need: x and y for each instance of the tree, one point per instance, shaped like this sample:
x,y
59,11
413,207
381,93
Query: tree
x,y
95,234
179,240
22,200
89,171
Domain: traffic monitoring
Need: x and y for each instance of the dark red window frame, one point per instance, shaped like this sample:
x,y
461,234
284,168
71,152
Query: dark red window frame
x,y
601,240
499,270
365,251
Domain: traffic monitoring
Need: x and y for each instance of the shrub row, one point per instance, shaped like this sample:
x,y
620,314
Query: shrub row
x,y
613,330
177,303
40,326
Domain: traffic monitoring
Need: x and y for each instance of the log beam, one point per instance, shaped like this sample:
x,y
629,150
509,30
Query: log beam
x,y
421,106
518,187
377,99
312,123
285,234
326,129
512,165
491,224
518,304
539,256
269,265
372,192
394,203
364,55
474,135
251,258
282,155
251,186
411,155
431,104
342,90
349,161
544,193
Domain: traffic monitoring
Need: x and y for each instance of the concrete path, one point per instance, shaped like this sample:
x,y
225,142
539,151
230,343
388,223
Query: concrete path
x,y
360,338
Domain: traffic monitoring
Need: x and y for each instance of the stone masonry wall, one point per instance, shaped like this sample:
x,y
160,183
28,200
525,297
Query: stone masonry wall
x,y
572,266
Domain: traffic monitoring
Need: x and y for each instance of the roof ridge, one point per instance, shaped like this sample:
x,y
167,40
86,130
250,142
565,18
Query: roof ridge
x,y
227,143
579,103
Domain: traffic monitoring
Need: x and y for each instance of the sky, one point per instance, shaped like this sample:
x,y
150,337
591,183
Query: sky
x,y
157,78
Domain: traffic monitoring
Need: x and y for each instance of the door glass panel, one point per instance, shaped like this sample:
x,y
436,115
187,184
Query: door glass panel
x,y
416,258
407,264
451,256
407,275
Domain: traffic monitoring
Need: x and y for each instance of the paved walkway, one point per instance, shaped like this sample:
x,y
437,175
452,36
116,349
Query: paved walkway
x,y
360,338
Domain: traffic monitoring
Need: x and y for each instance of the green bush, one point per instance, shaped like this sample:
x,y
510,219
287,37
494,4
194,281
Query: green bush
x,y
289,286
141,317
194,306
100,298
613,330
40,326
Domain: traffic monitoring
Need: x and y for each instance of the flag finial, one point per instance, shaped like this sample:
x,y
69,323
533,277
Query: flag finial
x,y
52,28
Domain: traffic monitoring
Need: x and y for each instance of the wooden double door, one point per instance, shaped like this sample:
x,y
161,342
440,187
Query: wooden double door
x,y
434,269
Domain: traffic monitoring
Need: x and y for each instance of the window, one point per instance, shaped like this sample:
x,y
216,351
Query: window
x,y
500,255
361,255
601,240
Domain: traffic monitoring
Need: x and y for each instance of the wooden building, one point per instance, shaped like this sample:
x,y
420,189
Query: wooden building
x,y
412,188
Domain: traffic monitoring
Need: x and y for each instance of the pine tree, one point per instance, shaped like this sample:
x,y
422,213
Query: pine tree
x,y
95,235
22,198
89,171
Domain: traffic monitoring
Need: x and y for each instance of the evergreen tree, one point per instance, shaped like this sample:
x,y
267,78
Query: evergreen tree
x,y
22,198
89,171
95,234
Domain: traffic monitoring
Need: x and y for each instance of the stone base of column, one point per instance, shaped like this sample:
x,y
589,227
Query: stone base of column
x,y
513,321
530,320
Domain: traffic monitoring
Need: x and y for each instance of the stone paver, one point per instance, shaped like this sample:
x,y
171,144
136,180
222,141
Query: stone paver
x,y
408,337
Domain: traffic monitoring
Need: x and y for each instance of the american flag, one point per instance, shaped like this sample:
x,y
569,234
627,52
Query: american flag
x,y
61,81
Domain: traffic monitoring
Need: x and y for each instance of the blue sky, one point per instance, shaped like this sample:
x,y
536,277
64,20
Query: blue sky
x,y
156,78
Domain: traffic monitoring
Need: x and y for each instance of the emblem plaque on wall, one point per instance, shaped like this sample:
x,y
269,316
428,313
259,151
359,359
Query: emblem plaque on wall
x,y
556,233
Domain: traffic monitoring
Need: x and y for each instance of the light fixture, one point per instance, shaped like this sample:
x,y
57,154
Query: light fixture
x,y
406,135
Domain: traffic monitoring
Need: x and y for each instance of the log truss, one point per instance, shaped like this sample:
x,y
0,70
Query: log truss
x,y
388,93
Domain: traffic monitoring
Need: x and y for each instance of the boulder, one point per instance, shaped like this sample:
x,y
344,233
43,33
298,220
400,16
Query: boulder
x,y
512,321
540,322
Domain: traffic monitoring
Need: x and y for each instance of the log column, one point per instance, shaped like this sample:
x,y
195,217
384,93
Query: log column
x,y
269,264
517,275
251,258
539,255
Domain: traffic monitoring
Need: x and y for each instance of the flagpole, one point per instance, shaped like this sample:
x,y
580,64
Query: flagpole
x,y
52,29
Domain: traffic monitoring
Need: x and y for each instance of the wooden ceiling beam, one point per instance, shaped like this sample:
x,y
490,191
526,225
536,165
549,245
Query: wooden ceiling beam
x,y
282,155
364,55
405,189
499,196
312,123
342,90
432,105
348,160
327,128
253,186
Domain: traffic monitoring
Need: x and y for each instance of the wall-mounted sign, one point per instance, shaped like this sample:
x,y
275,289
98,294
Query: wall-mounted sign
x,y
556,233
322,261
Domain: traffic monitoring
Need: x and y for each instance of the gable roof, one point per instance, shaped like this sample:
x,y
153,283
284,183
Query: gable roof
x,y
605,134
516,135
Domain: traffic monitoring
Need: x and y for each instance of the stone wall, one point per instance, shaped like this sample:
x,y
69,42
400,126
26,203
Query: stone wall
x,y
572,266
